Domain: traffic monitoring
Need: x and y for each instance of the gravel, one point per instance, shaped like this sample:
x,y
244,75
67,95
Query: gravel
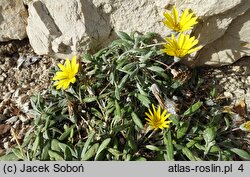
x,y
22,74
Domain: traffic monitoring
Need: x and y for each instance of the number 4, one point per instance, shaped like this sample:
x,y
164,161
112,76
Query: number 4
x,y
241,168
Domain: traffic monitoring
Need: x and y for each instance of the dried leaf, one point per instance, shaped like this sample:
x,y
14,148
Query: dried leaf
x,y
4,128
240,108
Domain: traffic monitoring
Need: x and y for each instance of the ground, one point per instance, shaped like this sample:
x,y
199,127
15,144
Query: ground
x,y
23,73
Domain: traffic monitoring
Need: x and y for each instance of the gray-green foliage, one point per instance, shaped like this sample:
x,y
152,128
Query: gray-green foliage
x,y
102,116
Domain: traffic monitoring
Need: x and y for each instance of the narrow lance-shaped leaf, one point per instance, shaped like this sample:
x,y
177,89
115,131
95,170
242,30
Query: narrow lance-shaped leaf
x,y
192,109
137,120
169,145
103,145
87,143
242,153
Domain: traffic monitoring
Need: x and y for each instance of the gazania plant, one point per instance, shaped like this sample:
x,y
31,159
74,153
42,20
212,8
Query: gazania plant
x,y
126,104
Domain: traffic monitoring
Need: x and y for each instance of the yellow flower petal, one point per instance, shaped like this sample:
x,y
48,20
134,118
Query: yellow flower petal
x,y
185,22
67,64
157,120
63,68
182,46
176,15
245,126
67,73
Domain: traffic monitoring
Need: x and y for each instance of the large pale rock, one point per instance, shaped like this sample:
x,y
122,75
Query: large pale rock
x,y
142,16
233,45
13,17
223,31
65,27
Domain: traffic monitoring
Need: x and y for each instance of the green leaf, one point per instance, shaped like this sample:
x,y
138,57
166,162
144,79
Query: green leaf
x,y
55,155
124,35
140,159
156,69
242,153
119,128
91,152
127,68
153,148
63,147
118,109
144,58
123,81
87,143
213,93
215,149
144,100
137,120
55,145
114,152
36,144
192,109
28,136
174,119
89,99
169,145
103,145
66,134
18,153
87,58
209,136
131,142
117,93
140,89
188,153
96,112
67,154
45,151
182,130
9,157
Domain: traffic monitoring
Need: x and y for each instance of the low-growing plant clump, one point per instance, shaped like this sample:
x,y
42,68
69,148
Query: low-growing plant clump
x,y
132,100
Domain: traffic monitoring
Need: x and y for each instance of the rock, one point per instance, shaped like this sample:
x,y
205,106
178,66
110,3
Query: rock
x,y
2,118
87,25
142,16
228,94
248,80
13,17
79,28
223,32
12,120
26,2
2,78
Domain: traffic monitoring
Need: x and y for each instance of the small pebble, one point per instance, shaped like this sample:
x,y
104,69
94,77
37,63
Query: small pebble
x,y
228,94
2,78
12,120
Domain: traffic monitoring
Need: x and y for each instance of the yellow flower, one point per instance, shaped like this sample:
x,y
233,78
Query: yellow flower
x,y
245,126
186,22
181,47
156,119
67,73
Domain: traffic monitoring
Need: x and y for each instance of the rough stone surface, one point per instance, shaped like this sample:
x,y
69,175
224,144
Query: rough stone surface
x,y
65,27
13,16
223,31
